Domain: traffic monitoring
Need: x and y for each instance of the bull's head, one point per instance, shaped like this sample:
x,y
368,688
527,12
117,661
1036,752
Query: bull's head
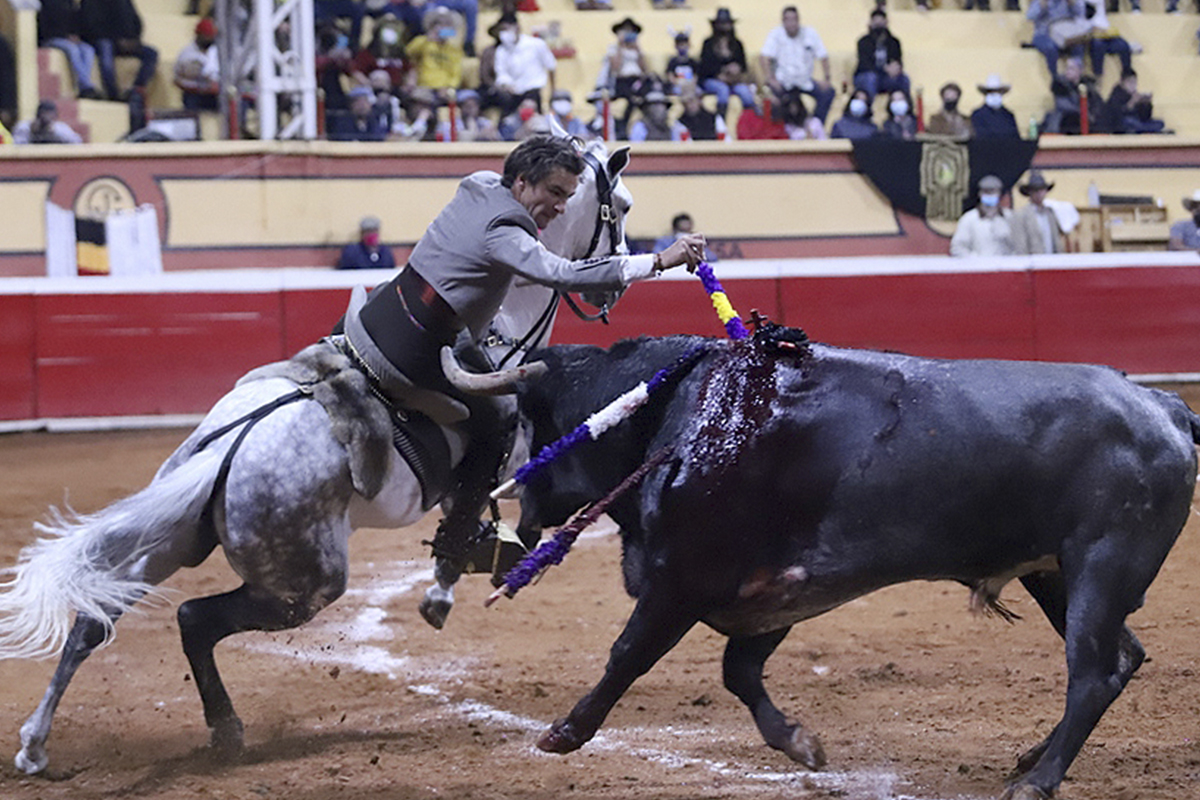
x,y
504,381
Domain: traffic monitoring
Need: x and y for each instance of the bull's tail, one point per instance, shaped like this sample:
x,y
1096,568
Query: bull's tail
x,y
99,565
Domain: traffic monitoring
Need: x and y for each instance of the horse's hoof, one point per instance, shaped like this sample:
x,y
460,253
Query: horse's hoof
x,y
559,739
1025,791
805,748
227,740
435,610
31,762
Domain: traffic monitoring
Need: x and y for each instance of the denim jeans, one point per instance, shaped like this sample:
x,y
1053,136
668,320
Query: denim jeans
x,y
80,55
875,82
1116,46
1046,46
106,50
824,98
722,90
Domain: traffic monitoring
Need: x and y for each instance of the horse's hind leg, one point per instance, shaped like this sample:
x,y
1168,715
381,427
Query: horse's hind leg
x,y
207,620
743,670
86,635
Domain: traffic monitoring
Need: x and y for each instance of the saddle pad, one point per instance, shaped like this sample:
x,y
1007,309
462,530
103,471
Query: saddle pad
x,y
422,445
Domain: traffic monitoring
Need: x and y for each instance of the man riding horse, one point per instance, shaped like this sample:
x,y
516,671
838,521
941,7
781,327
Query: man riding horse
x,y
451,289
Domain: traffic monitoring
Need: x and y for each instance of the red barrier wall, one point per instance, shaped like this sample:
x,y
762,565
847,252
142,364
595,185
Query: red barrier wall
x,y
174,344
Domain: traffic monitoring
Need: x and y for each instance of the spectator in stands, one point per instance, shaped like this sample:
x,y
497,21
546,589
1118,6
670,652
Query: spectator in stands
x,y
524,67
992,120
368,252
1134,5
681,225
698,123
524,122
797,122
5,136
653,124
333,61
625,71
985,230
385,52
682,68
900,122
1128,110
789,58
1058,25
472,125
362,122
669,3
982,5
600,126
8,84
58,27
420,107
387,105
114,28
1185,234
880,59
1106,40
1067,88
593,5
723,69
436,56
950,121
45,128
327,11
563,109
469,10
197,70
1035,228
856,120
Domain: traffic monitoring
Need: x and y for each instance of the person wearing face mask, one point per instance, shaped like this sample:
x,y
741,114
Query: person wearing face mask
x,y
682,68
949,121
524,67
368,252
653,125
856,121
1185,234
563,110
626,71
992,120
435,55
880,60
900,124
985,230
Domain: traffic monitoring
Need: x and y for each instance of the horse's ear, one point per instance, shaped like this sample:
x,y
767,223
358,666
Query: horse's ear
x,y
556,130
617,162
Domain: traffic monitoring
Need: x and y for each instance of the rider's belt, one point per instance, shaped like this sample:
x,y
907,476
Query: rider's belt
x,y
427,307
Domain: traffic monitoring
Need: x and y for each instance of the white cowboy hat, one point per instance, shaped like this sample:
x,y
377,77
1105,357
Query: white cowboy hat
x,y
1190,203
994,83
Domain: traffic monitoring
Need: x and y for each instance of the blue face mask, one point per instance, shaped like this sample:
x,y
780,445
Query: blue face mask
x,y
629,38
990,200
446,32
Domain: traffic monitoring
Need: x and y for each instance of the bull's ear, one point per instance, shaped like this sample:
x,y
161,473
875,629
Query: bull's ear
x,y
617,162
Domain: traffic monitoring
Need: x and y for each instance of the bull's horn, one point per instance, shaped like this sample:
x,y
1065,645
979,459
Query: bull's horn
x,y
499,382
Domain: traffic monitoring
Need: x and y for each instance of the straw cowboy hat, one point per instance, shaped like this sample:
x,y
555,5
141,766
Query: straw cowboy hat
x,y
1036,181
993,84
1191,203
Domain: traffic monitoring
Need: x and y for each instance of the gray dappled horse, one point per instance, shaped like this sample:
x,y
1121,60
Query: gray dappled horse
x,y
282,510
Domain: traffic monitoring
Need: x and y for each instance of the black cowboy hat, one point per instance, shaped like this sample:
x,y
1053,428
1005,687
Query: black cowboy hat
x,y
505,19
1036,181
628,22
723,15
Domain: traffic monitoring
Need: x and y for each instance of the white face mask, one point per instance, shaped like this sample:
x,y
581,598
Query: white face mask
x,y
561,107
858,107
993,99
898,107
508,37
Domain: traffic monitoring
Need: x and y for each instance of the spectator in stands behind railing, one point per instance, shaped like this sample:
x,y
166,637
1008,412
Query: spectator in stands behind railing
x,y
992,120
985,230
625,71
1066,88
789,59
362,122
682,68
653,124
197,69
880,59
114,28
524,67
368,252
1185,234
58,27
682,225
1106,40
1036,229
563,109
900,123
856,120
436,56
797,121
1058,26
1129,110
45,128
8,84
723,69
699,123
384,52
950,121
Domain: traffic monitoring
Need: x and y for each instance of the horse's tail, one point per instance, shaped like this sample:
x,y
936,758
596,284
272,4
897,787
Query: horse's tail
x,y
99,565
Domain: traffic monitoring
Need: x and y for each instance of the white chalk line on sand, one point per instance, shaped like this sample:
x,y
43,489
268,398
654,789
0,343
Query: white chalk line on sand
x,y
361,624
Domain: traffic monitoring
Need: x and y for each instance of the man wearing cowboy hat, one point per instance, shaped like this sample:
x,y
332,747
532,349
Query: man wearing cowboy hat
x,y
1035,228
992,120
1185,234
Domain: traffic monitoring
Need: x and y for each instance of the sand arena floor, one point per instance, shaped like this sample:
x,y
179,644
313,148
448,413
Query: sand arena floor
x,y
912,695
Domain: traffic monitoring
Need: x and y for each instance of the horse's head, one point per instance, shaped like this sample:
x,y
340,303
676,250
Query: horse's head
x,y
593,224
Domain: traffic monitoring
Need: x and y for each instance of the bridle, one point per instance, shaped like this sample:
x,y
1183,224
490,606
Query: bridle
x,y
606,219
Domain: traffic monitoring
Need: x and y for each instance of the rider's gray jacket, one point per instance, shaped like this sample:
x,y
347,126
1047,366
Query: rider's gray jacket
x,y
484,238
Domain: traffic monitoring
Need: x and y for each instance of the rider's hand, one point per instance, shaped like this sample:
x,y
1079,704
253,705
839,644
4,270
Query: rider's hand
x,y
687,249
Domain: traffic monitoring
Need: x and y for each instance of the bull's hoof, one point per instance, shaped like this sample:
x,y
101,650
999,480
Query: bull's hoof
x,y
560,739
227,740
435,608
1025,791
31,761
805,748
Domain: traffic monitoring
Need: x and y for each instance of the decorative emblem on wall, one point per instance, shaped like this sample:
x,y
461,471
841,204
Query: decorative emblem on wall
x,y
945,179
102,196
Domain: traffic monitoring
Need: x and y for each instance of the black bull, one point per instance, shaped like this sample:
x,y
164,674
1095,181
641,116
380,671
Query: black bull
x,y
802,478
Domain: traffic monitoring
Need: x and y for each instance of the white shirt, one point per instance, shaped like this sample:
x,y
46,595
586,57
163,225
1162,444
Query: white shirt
x,y
980,236
525,65
195,67
795,57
